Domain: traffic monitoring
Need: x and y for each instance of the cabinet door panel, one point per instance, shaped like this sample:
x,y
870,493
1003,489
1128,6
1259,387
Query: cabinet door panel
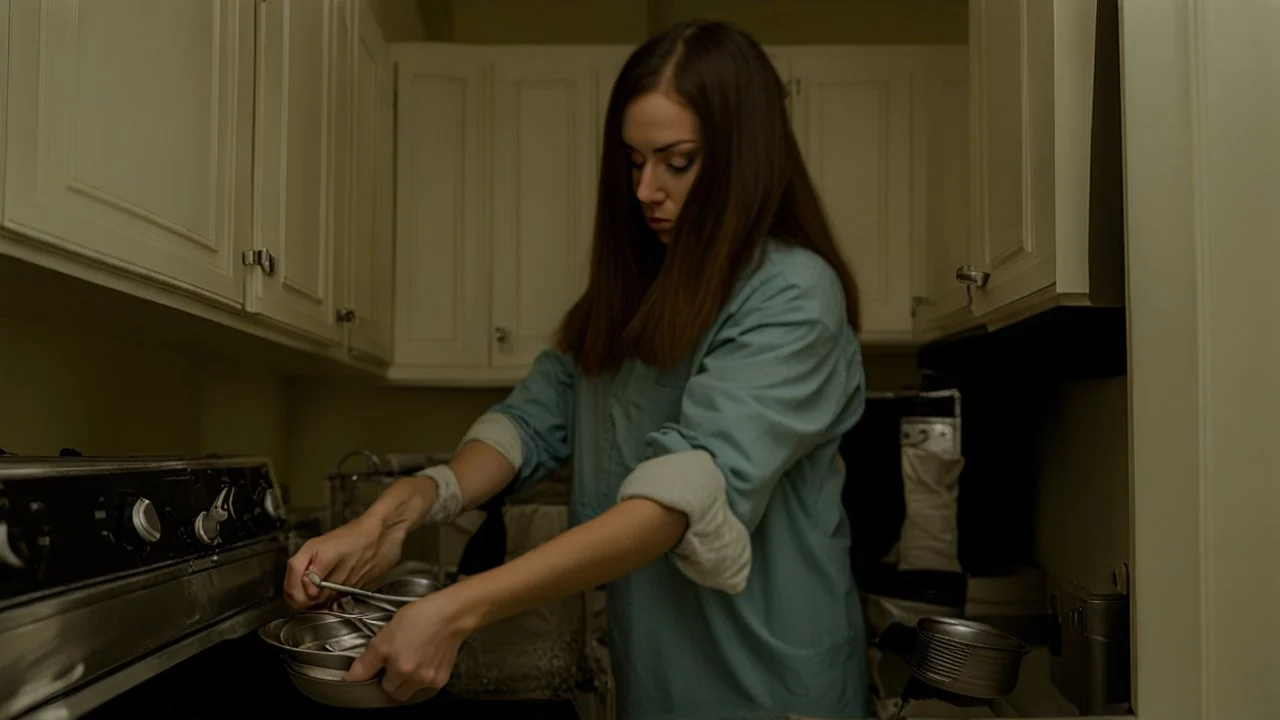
x,y
295,167
544,169
371,266
853,111
129,135
1012,49
941,196
441,282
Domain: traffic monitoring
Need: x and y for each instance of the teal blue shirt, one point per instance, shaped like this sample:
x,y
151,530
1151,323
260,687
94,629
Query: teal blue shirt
x,y
769,392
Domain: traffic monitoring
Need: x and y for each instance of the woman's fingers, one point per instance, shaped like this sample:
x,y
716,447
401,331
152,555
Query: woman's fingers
x,y
402,687
367,665
344,556
295,583
317,556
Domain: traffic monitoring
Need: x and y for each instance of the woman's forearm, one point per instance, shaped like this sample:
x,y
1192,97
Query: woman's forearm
x,y
481,471
628,536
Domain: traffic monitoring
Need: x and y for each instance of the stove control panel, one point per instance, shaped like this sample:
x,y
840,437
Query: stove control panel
x,y
87,519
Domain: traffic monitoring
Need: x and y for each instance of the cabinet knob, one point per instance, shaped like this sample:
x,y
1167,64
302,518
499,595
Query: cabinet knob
x,y
346,315
502,335
966,275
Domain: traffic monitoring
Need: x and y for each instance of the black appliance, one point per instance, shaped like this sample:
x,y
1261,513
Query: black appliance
x,y
114,569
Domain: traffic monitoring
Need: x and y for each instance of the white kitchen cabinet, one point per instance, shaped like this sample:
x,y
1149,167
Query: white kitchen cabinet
x,y
545,121
441,277
368,305
940,199
129,137
877,128
341,148
608,61
296,238
851,110
207,156
1034,240
497,159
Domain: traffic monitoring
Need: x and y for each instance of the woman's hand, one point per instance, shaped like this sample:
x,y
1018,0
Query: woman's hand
x,y
361,550
417,648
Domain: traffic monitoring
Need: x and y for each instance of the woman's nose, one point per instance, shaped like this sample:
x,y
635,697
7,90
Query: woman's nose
x,y
647,191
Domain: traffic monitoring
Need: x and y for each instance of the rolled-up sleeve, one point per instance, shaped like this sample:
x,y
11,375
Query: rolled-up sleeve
x,y
778,381
533,426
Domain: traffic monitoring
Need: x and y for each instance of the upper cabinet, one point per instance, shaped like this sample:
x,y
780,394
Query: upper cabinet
x,y
442,199
545,120
497,159
427,209
367,301
853,109
1045,169
295,238
498,155
940,199
239,153
129,136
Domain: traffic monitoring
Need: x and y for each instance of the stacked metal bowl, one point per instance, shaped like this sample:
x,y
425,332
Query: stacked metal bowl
x,y
967,658
319,646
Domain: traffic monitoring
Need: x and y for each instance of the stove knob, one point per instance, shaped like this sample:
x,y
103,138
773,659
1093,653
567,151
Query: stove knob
x,y
207,527
146,521
272,505
8,558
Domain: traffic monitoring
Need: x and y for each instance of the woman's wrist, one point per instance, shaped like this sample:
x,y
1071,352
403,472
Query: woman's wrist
x,y
468,609
403,505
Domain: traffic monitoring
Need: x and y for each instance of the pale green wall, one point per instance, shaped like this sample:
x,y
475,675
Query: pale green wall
x,y
106,394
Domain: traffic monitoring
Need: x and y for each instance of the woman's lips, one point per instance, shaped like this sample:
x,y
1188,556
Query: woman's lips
x,y
658,223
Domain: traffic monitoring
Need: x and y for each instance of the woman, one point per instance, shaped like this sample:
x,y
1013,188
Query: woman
x,y
701,386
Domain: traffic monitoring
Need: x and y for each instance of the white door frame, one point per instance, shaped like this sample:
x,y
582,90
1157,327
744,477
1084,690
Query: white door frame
x,y
1202,135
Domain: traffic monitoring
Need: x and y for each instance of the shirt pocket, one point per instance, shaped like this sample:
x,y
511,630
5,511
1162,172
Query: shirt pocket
x,y
648,401
654,395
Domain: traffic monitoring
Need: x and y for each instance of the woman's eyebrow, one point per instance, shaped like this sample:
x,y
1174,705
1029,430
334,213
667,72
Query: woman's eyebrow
x,y
665,148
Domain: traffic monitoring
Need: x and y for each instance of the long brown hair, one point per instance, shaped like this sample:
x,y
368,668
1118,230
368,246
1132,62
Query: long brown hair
x,y
653,302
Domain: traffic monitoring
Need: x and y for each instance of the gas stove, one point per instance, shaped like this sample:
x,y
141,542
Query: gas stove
x,y
68,520
112,569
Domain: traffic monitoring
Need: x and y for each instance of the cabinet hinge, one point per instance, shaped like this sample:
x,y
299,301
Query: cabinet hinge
x,y
260,257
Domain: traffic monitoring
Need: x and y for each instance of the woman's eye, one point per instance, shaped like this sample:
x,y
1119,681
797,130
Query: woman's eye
x,y
635,162
680,165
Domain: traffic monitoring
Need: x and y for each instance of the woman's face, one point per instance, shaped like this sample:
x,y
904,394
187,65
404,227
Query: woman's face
x,y
662,138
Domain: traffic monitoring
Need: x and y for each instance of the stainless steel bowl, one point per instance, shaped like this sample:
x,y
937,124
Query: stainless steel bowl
x,y
327,632
317,639
320,673
270,633
353,695
409,586
967,658
320,646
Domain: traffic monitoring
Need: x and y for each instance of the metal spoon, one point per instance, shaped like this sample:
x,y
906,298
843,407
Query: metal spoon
x,y
362,619
340,606
370,597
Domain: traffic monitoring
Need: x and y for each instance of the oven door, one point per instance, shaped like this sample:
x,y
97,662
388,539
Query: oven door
x,y
68,653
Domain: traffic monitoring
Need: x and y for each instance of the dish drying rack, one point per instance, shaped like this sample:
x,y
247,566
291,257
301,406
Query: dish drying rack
x,y
352,488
